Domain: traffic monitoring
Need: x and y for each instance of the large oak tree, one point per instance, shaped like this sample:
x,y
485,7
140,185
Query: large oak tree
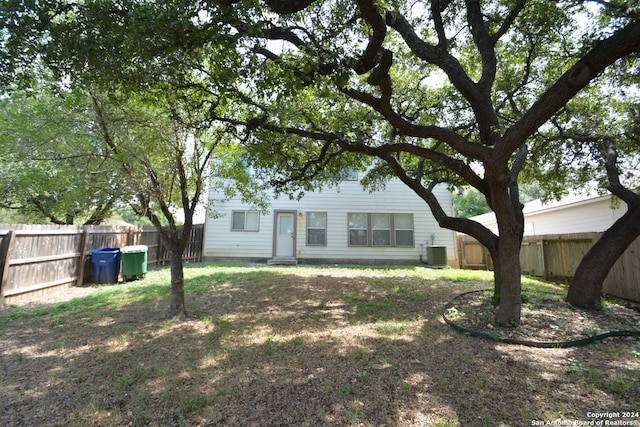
x,y
444,91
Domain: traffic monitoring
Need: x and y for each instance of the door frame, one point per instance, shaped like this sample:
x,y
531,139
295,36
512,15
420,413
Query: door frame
x,y
274,239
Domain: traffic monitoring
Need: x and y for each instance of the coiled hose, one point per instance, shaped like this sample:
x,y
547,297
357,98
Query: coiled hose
x,y
547,344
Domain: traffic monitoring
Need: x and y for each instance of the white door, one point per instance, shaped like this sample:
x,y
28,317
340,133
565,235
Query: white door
x,y
284,234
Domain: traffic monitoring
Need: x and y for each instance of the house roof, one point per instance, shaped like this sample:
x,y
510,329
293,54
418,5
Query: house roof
x,y
537,206
571,200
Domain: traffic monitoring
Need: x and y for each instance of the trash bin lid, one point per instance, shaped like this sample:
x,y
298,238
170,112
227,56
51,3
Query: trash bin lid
x,y
106,250
137,248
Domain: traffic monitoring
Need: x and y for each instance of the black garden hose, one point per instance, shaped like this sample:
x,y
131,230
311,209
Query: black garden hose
x,y
538,344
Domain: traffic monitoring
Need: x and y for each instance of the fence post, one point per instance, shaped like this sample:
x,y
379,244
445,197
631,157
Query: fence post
x,y
160,250
5,257
81,261
543,257
201,248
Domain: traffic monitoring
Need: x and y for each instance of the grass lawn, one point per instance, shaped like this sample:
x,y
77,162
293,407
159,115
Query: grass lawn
x,y
295,346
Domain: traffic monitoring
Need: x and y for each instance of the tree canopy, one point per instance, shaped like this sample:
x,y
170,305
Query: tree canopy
x,y
53,166
168,153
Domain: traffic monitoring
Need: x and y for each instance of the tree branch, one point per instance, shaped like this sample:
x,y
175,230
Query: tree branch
x,y
613,175
484,43
408,128
508,21
456,166
287,7
478,96
604,53
463,225
371,56
436,12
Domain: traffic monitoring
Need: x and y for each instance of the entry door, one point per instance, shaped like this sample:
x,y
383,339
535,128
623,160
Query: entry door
x,y
285,234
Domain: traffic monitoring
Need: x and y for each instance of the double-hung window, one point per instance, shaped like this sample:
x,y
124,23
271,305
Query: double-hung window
x,y
403,228
358,229
317,229
245,221
381,229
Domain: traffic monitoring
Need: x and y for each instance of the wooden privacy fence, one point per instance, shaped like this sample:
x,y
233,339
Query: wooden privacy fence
x,y
38,259
556,257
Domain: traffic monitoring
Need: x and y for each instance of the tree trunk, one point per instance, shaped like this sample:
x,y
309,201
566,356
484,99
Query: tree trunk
x,y
506,252
508,279
177,307
586,286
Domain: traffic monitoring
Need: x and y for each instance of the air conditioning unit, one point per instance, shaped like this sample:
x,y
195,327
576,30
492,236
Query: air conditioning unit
x,y
437,256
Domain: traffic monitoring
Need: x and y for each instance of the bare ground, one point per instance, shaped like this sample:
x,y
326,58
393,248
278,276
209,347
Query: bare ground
x,y
307,347
546,318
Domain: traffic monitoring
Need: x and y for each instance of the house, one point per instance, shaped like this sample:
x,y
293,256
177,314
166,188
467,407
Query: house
x,y
574,213
342,224
557,236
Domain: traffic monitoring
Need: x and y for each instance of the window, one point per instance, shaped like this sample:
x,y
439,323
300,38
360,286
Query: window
x,y
358,229
346,175
350,175
380,229
403,226
245,221
317,228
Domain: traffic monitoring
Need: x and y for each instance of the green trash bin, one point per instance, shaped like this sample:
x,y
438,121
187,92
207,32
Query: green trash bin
x,y
134,262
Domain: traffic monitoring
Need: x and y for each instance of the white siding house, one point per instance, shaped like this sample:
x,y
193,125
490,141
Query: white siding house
x,y
343,224
575,213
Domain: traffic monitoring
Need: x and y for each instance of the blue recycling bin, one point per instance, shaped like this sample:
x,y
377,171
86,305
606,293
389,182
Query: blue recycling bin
x,y
106,265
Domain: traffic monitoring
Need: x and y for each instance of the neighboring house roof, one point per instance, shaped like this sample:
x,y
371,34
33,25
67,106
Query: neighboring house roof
x,y
575,213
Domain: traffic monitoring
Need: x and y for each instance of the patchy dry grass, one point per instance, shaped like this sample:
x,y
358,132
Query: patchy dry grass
x,y
264,346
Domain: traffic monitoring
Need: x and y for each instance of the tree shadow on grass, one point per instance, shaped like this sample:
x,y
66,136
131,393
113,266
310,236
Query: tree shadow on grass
x,y
281,348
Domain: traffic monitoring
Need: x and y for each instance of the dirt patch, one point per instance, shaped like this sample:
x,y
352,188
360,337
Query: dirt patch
x,y
546,317
297,347
63,295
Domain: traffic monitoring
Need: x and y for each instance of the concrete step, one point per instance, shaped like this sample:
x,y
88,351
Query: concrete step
x,y
282,261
